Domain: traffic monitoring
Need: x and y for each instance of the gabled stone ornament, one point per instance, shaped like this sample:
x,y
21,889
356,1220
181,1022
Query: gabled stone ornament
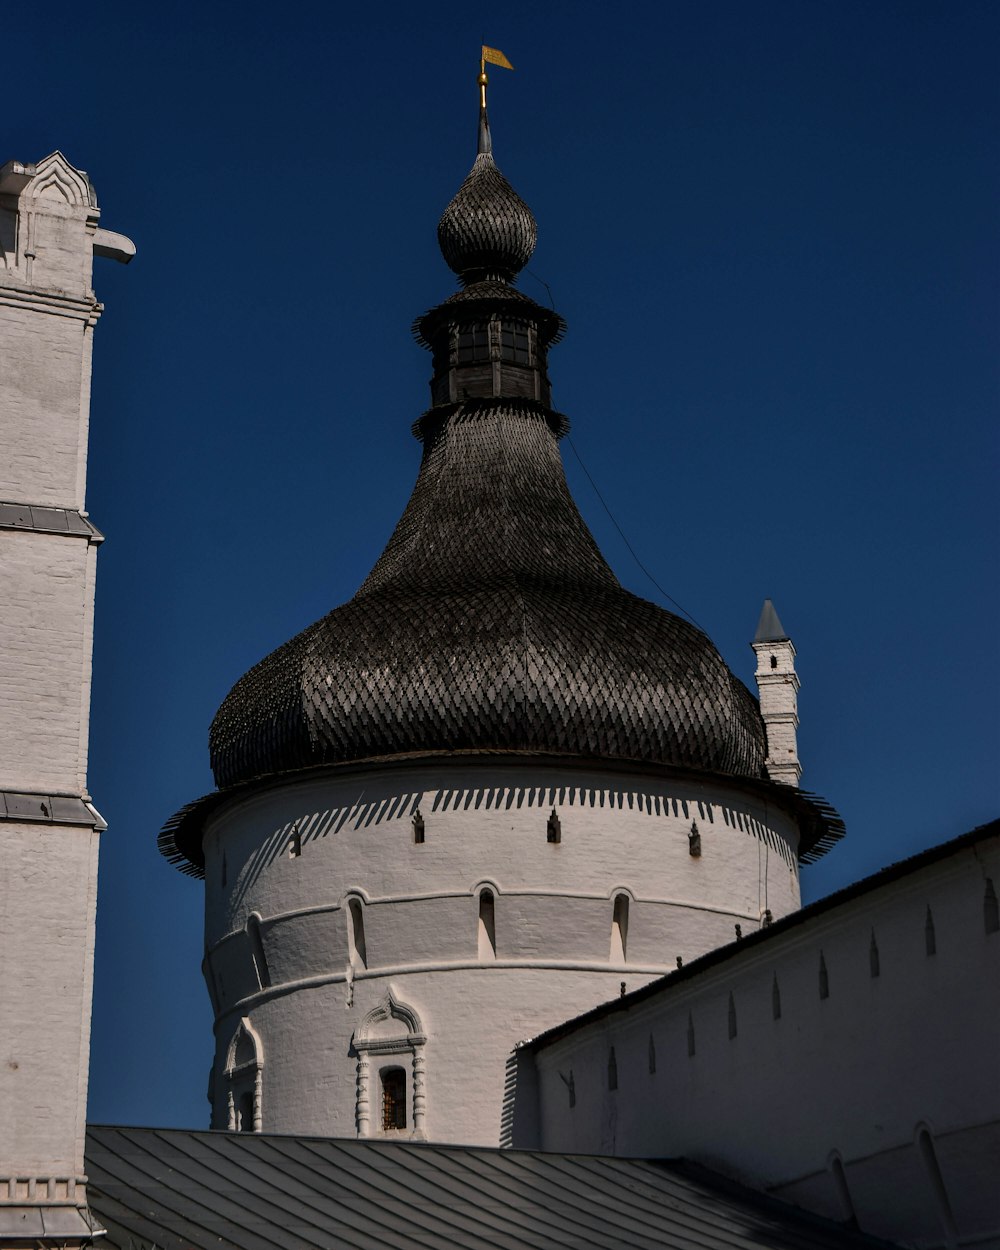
x,y
778,685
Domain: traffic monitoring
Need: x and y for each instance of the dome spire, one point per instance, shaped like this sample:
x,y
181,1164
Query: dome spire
x,y
487,231
495,57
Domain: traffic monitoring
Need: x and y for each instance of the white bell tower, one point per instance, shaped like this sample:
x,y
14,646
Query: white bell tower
x,y
48,825
778,685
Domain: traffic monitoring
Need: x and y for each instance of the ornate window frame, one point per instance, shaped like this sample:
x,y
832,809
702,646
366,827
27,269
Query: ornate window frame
x,y
245,1077
372,1043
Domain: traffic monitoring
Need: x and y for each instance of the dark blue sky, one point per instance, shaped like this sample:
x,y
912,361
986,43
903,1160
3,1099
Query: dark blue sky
x,y
772,230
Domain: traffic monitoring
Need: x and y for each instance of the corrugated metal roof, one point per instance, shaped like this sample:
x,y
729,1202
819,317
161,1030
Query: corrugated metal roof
x,y
180,1190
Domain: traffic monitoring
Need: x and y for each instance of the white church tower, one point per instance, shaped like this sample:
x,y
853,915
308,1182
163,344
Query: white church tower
x,y
778,684
488,793
48,547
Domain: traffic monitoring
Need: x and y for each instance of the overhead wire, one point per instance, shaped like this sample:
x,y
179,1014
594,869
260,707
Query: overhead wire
x,y
625,540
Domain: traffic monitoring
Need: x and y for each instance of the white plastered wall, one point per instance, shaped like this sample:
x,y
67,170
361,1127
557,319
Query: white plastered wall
x,y
48,899
485,826
854,1076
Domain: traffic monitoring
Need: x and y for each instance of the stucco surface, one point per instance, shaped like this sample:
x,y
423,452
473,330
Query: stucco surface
x,y
900,1042
485,826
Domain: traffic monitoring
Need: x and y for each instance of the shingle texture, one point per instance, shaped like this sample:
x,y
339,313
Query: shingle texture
x,y
487,228
491,621
176,1190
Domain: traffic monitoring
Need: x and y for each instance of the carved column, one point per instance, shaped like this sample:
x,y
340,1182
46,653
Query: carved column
x,y
419,1098
232,1110
258,1095
363,1110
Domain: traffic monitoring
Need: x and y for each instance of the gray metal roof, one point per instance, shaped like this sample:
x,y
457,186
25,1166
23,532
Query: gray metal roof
x,y
179,1190
769,628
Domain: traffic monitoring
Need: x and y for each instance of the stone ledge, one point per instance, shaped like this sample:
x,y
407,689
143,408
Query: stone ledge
x,y
47,1225
46,520
49,809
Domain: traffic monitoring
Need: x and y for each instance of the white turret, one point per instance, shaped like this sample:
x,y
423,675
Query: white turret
x,y
48,827
778,685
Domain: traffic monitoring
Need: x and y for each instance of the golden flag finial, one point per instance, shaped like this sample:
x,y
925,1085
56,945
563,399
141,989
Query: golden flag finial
x,y
495,57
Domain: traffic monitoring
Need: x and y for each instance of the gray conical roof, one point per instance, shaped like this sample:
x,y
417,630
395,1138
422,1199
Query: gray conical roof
x,y
769,628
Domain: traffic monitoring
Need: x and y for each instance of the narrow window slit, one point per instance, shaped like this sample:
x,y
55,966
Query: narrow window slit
x,y
487,926
359,947
619,929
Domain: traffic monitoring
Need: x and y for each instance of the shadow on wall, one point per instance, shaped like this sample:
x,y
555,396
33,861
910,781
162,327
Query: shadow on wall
x,y
519,1127
381,803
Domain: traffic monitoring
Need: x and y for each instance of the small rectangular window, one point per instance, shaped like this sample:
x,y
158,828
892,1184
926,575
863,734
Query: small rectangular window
x,y
473,344
515,346
393,1100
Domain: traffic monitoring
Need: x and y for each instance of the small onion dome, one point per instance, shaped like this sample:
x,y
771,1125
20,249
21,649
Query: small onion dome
x,y
487,231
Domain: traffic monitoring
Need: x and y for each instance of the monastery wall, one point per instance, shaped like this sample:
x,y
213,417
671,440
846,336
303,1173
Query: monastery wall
x,y
810,1063
320,900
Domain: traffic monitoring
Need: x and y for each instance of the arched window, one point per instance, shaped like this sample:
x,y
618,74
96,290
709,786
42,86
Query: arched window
x,y
393,1099
359,947
294,843
417,822
824,978
387,1101
244,1079
775,998
619,929
487,925
874,964
257,950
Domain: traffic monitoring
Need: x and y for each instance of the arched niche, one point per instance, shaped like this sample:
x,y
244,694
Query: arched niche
x,y
388,1040
245,1079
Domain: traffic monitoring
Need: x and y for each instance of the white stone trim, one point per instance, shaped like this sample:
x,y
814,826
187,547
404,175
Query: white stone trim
x,y
412,1043
238,1075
